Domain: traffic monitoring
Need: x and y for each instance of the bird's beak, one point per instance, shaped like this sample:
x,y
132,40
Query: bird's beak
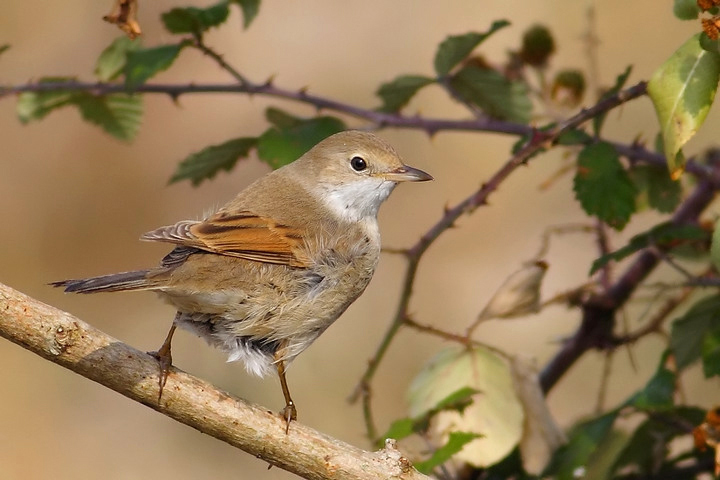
x,y
407,174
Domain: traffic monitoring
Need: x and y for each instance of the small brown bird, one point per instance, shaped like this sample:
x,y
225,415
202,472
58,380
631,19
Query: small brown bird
x,y
266,274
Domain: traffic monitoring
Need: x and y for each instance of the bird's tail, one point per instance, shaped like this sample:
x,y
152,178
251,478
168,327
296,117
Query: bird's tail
x,y
116,282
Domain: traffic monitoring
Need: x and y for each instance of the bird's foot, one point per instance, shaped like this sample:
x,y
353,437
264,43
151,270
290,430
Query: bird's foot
x,y
289,413
164,358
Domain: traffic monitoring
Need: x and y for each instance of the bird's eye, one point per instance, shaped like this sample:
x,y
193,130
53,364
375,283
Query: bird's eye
x,y
358,164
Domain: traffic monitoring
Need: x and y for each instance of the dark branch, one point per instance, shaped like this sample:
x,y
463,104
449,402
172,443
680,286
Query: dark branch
x,y
381,119
598,312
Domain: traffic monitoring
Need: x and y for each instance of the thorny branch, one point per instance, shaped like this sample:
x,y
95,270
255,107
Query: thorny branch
x,y
598,312
429,125
538,142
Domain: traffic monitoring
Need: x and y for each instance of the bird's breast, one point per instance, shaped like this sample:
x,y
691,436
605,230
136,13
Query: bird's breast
x,y
345,262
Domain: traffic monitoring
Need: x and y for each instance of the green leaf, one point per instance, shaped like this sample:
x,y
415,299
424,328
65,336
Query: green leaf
x,y
195,20
281,119
279,146
493,93
658,144
35,105
119,115
146,62
457,47
663,235
658,393
647,448
457,401
656,188
206,163
396,94
711,351
495,413
574,137
708,44
686,9
581,447
688,332
250,9
601,461
620,81
456,441
603,187
4,48
112,60
682,91
715,246
399,429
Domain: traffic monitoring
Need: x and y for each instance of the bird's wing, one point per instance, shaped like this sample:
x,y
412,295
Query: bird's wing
x,y
244,235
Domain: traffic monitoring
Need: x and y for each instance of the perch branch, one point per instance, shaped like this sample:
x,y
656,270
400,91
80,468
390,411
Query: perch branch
x,y
68,341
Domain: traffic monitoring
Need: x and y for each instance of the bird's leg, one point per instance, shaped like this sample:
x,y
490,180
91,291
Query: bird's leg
x,y
164,357
289,412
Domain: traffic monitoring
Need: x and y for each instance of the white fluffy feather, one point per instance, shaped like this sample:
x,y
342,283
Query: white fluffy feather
x,y
256,362
357,200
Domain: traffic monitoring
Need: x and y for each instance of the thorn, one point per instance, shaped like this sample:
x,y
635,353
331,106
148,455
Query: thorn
x,y
303,91
269,81
638,141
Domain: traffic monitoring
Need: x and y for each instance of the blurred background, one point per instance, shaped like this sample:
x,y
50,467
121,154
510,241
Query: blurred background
x,y
76,200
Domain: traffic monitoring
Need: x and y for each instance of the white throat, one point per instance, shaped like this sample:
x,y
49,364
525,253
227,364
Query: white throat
x,y
357,200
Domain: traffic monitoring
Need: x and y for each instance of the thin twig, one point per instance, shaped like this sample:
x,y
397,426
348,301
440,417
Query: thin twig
x,y
676,266
464,340
453,337
655,323
604,380
603,249
592,41
560,230
200,45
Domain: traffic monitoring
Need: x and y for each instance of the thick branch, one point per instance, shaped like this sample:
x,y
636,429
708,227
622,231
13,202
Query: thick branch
x,y
75,345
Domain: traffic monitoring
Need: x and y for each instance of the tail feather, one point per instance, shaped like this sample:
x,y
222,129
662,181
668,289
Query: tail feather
x,y
115,282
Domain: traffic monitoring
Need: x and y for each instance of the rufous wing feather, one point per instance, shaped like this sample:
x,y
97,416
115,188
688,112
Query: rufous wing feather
x,y
244,235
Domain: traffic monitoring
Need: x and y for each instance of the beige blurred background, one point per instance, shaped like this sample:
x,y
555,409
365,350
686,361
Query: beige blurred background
x,y
75,201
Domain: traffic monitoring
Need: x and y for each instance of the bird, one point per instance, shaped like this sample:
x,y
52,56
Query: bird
x,y
266,274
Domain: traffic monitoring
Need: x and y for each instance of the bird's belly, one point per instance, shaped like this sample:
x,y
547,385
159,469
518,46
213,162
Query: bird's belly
x,y
254,311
